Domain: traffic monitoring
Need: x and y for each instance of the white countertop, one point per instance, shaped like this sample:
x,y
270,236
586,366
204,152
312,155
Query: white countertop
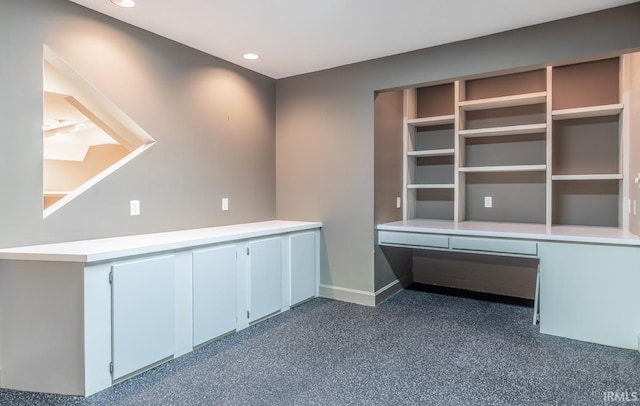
x,y
539,232
118,247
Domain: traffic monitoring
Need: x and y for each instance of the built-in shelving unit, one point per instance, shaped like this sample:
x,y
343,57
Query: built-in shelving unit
x,y
547,145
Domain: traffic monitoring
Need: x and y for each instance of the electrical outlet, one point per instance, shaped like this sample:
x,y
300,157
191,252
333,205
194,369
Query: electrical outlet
x,y
225,203
134,207
488,201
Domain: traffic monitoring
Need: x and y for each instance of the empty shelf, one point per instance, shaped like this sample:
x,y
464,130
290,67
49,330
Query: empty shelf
x,y
595,176
508,130
505,168
432,152
504,101
431,121
584,112
431,186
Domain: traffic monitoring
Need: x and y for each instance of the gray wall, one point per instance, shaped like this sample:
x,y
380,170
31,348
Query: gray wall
x,y
325,124
214,124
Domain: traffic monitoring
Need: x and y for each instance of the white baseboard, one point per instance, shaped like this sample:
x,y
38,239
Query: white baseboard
x,y
391,289
362,297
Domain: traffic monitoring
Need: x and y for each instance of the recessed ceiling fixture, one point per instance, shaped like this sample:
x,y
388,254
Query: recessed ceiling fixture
x,y
124,3
250,56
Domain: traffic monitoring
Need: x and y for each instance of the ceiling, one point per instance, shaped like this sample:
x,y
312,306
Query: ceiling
x,y
299,36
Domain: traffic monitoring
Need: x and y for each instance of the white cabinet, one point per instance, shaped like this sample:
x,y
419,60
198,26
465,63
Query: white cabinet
x,y
302,266
123,305
142,313
265,277
214,292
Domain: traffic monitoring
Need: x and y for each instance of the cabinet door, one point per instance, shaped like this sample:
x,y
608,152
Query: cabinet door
x,y
142,313
302,266
265,277
214,292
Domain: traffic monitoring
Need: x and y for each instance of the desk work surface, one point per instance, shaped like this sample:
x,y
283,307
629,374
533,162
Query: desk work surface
x,y
538,232
117,247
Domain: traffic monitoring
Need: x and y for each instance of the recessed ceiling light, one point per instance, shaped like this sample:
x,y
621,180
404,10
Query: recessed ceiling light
x,y
124,3
250,56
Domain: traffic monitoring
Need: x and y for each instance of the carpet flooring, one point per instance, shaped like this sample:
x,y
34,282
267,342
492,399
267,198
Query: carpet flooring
x,y
416,348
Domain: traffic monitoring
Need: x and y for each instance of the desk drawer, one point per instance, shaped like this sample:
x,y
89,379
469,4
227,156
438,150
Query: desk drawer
x,y
494,245
413,239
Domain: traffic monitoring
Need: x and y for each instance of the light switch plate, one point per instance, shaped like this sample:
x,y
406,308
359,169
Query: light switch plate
x,y
488,201
134,207
398,202
225,203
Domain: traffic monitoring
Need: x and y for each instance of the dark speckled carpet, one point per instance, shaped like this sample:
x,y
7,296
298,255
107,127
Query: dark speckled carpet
x,y
417,348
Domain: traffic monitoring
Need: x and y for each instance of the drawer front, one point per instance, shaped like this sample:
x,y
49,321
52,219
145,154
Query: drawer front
x,y
494,245
413,239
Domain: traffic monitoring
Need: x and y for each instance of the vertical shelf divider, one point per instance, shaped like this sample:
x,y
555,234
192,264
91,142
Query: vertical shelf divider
x,y
408,140
458,177
624,131
549,148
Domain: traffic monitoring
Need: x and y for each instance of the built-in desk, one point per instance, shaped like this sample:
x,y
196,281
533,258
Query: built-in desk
x,y
78,316
589,276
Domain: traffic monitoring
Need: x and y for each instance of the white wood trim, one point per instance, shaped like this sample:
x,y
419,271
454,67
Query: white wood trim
x,y
360,297
596,176
505,168
392,288
507,130
431,121
625,144
504,101
458,177
431,186
409,110
591,111
432,152
57,192
549,150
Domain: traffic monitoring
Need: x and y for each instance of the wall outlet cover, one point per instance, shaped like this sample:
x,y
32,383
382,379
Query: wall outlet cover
x,y
225,203
488,201
134,207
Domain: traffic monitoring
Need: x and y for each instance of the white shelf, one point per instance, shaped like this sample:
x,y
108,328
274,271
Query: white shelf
x,y
431,186
431,121
584,112
501,131
432,152
506,168
56,192
504,101
598,176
